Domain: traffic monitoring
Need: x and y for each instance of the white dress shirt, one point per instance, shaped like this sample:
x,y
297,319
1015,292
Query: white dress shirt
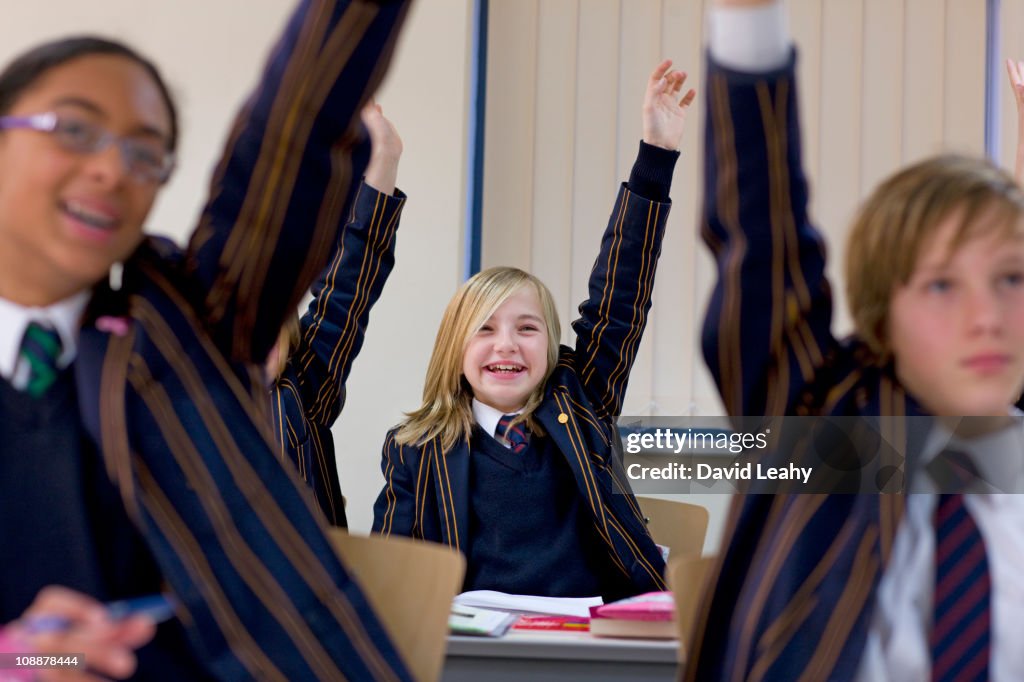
x,y
897,648
63,316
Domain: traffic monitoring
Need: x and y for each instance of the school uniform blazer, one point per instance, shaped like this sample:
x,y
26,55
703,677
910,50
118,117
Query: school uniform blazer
x,y
796,583
170,372
310,393
426,493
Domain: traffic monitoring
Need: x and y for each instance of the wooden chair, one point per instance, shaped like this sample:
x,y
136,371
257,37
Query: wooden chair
x,y
410,584
689,579
680,526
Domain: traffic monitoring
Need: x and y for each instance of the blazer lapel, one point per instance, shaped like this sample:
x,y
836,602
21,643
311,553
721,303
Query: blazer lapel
x,y
557,418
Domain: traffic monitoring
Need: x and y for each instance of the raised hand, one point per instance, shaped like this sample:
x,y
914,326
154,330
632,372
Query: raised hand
x,y
382,171
664,114
62,621
1015,71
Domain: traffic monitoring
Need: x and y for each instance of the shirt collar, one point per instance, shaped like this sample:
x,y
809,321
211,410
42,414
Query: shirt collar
x,y
487,417
64,316
999,456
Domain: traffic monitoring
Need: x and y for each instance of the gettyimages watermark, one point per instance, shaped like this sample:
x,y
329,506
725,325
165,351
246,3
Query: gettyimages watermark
x,y
855,455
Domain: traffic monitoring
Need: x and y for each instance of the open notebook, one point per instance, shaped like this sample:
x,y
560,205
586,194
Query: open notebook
x,y
525,603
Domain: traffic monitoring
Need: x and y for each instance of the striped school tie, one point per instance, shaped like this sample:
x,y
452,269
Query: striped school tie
x,y
516,437
40,348
961,629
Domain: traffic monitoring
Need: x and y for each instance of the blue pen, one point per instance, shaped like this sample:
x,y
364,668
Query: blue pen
x,y
158,607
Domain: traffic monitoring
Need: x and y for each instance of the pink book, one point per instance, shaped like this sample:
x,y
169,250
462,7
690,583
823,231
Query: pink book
x,y
652,606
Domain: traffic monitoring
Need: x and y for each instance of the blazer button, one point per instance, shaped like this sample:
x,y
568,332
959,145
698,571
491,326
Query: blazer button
x,y
563,418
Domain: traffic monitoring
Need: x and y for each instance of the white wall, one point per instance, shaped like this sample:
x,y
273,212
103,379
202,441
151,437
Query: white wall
x,y
211,52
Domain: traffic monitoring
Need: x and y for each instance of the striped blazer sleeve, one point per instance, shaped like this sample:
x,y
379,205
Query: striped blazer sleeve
x,y
279,193
613,317
767,332
395,511
334,325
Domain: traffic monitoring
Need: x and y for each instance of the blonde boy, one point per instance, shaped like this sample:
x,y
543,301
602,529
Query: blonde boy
x,y
862,587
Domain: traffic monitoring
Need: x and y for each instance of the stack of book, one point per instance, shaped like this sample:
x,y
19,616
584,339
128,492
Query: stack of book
x,y
489,614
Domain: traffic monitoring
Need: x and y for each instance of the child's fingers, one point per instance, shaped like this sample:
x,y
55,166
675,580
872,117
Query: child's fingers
x,y
56,600
135,631
1015,70
659,71
675,83
688,98
680,81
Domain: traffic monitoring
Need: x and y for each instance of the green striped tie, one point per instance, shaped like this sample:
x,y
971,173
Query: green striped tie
x,y
40,349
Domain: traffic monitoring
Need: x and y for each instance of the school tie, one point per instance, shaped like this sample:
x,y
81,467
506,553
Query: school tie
x,y
40,348
960,637
516,437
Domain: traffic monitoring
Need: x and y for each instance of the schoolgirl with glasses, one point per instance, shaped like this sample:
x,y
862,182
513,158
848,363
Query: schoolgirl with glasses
x,y
136,455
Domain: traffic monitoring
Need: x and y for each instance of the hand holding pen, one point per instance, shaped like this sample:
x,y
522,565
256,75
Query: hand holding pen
x,y
62,621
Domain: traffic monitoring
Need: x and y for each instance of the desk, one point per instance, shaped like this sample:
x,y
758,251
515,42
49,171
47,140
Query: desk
x,y
559,656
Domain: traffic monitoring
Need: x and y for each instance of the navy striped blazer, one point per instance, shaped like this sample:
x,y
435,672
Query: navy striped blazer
x,y
426,492
797,580
170,371
309,394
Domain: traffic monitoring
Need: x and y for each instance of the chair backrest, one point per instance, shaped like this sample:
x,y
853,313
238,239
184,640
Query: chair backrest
x,y
410,584
680,526
689,579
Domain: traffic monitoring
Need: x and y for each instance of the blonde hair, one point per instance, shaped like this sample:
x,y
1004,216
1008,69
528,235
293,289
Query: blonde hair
x,y
447,410
899,218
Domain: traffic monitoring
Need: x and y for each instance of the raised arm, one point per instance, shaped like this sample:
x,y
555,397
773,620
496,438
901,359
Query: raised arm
x,y
1015,71
333,328
386,149
279,192
262,593
613,317
767,328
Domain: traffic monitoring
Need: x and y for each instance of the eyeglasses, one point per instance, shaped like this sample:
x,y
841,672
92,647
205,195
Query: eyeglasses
x,y
147,161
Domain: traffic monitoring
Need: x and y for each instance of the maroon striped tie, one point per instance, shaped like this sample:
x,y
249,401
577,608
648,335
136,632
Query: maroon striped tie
x,y
960,637
516,436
